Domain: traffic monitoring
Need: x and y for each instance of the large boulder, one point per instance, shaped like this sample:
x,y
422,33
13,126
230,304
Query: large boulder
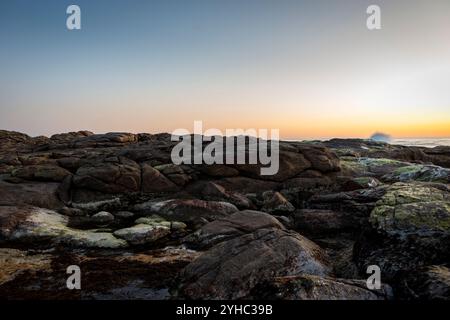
x,y
230,227
412,219
231,269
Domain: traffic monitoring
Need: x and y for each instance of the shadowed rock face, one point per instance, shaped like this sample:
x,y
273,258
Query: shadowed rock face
x,y
116,205
308,287
231,269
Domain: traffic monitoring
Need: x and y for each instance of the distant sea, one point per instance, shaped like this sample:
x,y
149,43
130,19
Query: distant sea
x,y
428,143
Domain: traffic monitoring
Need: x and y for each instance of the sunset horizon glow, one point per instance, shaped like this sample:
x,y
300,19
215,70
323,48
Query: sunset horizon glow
x,y
308,68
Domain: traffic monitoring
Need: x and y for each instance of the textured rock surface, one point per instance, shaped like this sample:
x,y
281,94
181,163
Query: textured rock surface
x,y
411,219
235,225
308,287
231,269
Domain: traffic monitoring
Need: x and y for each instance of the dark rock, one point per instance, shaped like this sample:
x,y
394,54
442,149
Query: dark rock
x,y
115,175
275,202
430,283
231,269
235,225
154,181
324,222
191,211
410,218
309,287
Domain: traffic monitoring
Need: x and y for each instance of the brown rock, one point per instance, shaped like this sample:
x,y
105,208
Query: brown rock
x,y
231,269
154,181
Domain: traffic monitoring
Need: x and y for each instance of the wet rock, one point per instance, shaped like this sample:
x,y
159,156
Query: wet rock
x,y
309,287
231,269
235,225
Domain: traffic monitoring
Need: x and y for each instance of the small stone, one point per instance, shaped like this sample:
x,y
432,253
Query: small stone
x,y
177,226
102,218
142,233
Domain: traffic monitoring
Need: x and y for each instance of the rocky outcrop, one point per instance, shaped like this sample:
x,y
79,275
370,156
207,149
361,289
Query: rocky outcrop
x,y
116,205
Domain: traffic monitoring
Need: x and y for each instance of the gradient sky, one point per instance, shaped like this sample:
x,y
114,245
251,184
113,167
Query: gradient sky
x,y
310,68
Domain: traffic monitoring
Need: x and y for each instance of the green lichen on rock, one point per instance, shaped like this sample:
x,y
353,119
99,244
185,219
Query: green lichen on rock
x,y
416,172
370,166
412,208
38,225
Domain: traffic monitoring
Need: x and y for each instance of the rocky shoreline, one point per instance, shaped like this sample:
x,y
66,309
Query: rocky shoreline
x,y
140,227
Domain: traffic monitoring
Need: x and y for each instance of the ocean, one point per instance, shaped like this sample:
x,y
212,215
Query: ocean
x,y
428,142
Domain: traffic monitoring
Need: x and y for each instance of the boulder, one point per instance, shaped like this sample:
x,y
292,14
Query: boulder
x,y
411,218
154,181
235,225
231,269
102,218
113,175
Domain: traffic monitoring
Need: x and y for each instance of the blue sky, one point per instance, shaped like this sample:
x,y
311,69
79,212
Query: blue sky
x,y
309,68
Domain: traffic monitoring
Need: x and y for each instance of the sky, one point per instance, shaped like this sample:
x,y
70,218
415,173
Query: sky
x,y
309,68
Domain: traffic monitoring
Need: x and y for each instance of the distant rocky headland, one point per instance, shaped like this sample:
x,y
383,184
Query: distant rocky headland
x,y
140,227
